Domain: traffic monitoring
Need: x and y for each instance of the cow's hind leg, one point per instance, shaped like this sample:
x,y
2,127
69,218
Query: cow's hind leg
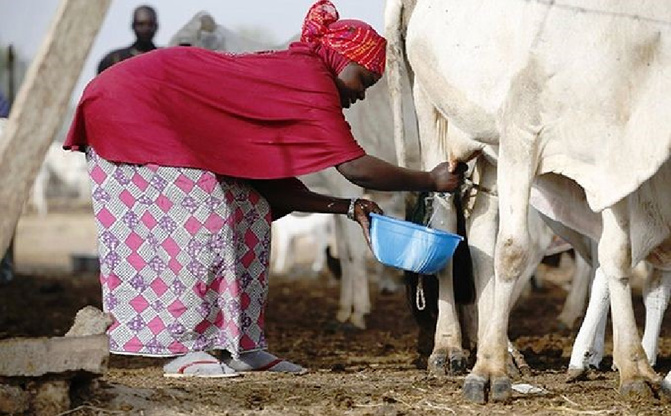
x,y
636,374
515,172
448,355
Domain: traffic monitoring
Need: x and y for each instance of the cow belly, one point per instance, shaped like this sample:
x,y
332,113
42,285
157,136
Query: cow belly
x,y
650,219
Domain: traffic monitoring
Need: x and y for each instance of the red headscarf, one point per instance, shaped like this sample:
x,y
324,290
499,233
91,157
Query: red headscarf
x,y
355,40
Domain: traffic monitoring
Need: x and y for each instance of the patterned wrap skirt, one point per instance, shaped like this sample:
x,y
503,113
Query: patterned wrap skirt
x,y
184,258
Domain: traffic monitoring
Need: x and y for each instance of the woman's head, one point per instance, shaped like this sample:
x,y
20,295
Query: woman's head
x,y
352,83
345,40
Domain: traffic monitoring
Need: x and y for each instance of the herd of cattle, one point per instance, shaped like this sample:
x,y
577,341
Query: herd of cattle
x,y
561,110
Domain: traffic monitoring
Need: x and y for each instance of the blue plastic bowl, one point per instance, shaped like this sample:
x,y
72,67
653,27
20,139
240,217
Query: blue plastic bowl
x,y
410,246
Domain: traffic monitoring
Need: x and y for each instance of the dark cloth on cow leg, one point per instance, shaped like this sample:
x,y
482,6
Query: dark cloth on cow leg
x,y
462,264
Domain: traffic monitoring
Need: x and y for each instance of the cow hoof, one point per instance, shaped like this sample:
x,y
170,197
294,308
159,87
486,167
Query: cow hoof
x,y
458,364
576,374
343,316
501,390
358,321
636,390
436,365
474,389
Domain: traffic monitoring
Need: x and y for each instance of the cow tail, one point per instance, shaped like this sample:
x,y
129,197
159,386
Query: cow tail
x,y
393,16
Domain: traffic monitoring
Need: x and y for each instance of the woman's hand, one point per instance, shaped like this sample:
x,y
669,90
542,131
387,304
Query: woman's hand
x,y
448,176
362,210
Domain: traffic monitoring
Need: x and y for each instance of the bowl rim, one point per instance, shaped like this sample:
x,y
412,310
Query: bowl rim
x,y
409,224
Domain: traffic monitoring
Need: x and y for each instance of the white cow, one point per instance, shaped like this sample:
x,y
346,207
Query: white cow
x,y
575,97
67,169
450,337
203,31
288,230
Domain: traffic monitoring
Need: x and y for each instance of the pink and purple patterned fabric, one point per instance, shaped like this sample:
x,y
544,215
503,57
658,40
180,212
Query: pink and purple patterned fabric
x,y
183,255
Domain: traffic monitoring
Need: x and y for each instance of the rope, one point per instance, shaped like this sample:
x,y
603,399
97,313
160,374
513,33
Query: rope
x,y
420,300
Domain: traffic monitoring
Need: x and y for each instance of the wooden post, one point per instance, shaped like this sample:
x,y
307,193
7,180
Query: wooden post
x,y
42,102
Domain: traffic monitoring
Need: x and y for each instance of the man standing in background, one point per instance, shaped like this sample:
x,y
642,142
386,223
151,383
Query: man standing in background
x,y
145,24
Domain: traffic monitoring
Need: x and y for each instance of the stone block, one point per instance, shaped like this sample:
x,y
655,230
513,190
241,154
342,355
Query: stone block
x,y
35,357
90,321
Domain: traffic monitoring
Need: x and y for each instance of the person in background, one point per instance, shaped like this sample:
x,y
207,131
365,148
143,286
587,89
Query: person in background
x,y
7,262
192,153
145,25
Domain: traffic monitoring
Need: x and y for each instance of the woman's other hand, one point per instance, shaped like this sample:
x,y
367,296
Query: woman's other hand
x,y
362,210
448,176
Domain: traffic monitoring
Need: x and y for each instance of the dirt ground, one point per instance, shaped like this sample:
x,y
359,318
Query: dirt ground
x,y
353,372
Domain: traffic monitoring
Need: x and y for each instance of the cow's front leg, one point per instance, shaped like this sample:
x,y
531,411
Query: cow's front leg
x,y
615,259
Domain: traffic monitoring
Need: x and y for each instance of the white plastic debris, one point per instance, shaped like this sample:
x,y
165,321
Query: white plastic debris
x,y
528,389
